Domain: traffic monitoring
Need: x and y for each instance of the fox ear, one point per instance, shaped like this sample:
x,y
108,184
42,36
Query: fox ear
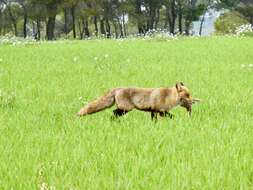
x,y
179,86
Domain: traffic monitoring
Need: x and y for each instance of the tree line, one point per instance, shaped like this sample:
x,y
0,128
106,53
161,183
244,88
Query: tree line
x,y
85,18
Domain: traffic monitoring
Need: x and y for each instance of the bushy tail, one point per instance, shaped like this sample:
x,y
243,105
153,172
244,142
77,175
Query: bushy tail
x,y
99,104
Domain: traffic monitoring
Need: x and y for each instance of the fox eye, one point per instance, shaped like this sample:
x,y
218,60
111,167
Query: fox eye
x,y
187,95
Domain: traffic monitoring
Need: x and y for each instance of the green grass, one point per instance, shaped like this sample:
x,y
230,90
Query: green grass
x,y
43,143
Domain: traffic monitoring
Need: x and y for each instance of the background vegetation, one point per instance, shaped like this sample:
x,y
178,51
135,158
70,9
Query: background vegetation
x,y
53,19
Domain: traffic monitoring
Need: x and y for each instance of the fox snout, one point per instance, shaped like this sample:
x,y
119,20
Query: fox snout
x,y
185,102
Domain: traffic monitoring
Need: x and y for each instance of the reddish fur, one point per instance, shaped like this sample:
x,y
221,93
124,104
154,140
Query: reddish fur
x,y
145,99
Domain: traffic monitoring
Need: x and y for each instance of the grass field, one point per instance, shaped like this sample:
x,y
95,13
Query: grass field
x,y
43,145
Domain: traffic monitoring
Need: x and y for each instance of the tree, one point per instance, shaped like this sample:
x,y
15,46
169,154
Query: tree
x,y
51,8
70,5
192,9
25,6
83,19
228,22
14,12
38,14
245,7
108,17
209,5
1,17
171,14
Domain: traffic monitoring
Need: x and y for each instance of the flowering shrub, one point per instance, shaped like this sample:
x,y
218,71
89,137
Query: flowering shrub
x,y
10,39
160,35
228,22
244,30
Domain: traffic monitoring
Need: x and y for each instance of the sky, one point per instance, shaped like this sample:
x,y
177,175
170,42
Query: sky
x,y
208,26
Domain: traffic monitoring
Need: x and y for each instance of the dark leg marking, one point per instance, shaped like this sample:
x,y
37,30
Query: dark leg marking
x,y
166,114
154,115
119,112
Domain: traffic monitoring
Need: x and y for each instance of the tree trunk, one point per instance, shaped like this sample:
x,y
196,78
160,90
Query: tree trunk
x,y
140,29
124,25
203,18
187,27
65,21
25,21
166,24
50,27
73,8
152,19
1,23
14,22
96,25
38,29
171,11
15,29
157,18
170,23
174,16
81,31
24,27
115,29
120,28
251,20
148,25
180,21
34,32
108,28
201,23
102,26
86,29
140,25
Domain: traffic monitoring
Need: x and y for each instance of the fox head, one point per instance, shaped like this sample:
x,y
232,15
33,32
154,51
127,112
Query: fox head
x,y
185,98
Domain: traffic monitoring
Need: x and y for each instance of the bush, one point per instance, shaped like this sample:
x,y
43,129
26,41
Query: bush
x,y
244,30
228,22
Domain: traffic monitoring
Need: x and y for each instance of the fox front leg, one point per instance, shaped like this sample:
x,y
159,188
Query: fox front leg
x,y
166,114
154,116
189,110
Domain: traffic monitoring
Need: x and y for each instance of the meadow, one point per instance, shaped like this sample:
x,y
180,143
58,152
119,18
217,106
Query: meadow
x,y
43,144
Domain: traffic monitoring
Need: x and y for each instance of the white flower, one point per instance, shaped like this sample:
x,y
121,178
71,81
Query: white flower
x,y
243,66
250,65
1,59
95,58
240,30
106,55
75,59
43,186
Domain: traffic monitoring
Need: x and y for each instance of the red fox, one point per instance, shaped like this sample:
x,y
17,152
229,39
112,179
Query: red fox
x,y
155,100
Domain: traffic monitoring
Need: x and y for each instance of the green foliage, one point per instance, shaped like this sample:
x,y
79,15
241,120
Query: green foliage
x,y
247,12
228,22
44,145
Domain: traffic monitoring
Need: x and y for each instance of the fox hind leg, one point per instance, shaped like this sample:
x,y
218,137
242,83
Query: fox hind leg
x,y
118,113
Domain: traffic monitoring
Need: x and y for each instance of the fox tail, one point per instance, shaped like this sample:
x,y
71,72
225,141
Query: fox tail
x,y
99,104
